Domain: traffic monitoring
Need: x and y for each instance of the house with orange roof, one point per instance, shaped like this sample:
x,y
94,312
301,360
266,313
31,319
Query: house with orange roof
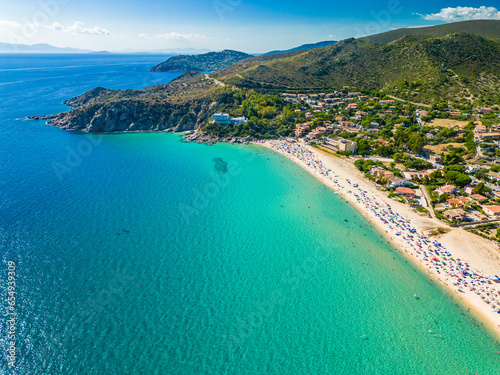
x,y
465,200
485,136
478,197
493,211
480,129
447,189
454,202
406,192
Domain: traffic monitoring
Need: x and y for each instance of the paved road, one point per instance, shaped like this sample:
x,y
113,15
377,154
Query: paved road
x,y
428,201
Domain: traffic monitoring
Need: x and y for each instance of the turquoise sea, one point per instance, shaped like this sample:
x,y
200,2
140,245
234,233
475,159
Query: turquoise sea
x,y
141,254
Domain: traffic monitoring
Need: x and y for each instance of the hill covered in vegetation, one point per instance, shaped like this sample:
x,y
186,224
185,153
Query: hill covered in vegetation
x,y
455,66
304,47
489,29
206,62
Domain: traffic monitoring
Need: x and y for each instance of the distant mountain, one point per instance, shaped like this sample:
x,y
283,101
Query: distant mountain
x,y
38,48
174,51
207,62
303,47
489,29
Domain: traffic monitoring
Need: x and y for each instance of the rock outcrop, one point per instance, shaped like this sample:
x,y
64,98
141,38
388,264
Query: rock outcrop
x,y
134,115
185,103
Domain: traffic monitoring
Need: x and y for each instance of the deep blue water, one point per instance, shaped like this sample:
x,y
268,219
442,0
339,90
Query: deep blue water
x,y
135,255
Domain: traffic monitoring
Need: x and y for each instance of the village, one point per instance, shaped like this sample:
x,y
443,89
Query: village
x,y
448,170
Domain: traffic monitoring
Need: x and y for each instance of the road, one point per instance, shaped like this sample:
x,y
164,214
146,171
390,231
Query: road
x,y
217,82
406,101
425,195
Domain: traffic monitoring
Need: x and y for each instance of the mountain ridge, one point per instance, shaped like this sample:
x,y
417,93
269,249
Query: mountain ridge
x,y
432,63
303,47
489,29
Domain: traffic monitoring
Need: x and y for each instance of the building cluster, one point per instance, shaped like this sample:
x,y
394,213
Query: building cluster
x,y
461,208
322,102
225,119
455,204
352,109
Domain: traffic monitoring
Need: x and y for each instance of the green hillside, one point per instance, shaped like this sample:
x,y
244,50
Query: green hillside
x,y
450,67
303,47
207,62
489,29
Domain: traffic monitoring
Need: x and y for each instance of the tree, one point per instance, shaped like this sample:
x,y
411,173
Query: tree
x,y
436,174
462,180
400,137
385,151
287,115
452,158
457,167
397,156
363,146
416,143
481,188
469,142
482,174
457,178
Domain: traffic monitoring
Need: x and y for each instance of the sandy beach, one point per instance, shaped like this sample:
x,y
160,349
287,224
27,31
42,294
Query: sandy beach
x,y
459,260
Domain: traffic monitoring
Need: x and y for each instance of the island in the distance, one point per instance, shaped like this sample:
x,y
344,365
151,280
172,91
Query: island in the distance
x,y
206,62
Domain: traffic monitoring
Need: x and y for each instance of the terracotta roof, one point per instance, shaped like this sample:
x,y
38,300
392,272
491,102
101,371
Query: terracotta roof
x,y
455,202
494,209
405,191
479,197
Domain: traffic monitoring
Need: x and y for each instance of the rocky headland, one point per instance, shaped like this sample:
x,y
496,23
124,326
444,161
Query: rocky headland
x,y
185,103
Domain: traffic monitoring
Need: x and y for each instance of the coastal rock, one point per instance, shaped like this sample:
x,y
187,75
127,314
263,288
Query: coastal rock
x,y
48,117
200,137
185,103
123,116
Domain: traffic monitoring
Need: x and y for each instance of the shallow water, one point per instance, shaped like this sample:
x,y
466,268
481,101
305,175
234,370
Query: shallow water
x,y
141,254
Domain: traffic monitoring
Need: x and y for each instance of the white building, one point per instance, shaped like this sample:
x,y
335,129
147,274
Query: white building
x,y
223,119
341,144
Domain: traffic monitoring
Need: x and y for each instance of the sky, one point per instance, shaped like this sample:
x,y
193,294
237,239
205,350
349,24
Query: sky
x,y
252,26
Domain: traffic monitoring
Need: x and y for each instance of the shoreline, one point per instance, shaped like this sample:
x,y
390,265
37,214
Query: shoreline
x,y
344,179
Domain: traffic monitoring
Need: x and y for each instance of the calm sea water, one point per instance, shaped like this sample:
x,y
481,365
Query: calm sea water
x,y
141,254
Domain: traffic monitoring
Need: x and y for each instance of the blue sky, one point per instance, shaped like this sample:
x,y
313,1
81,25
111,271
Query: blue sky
x,y
248,25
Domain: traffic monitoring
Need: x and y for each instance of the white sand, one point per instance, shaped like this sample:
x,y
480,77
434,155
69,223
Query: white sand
x,y
481,255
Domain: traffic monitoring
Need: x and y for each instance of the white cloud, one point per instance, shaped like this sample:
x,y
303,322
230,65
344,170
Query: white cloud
x,y
56,26
464,14
4,23
176,36
78,28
